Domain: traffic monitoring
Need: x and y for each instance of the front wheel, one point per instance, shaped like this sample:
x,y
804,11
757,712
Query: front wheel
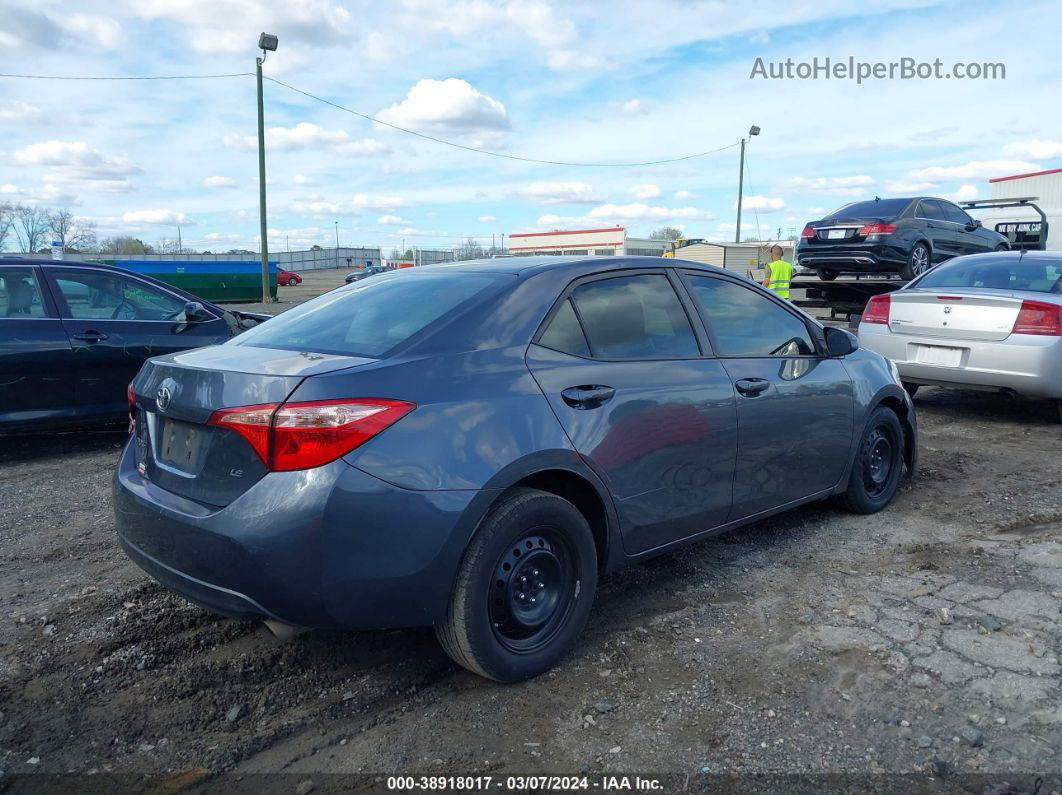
x,y
524,589
878,464
918,262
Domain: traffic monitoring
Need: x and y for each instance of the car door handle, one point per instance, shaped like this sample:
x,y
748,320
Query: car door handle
x,y
750,387
90,336
587,396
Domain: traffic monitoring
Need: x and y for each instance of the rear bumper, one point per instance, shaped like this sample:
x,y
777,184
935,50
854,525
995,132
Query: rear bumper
x,y
852,258
1027,364
329,547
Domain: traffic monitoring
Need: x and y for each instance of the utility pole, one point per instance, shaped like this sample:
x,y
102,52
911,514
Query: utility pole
x,y
180,247
266,43
753,130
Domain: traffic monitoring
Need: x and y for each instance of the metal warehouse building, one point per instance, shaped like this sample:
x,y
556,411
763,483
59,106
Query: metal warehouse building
x,y
605,242
1044,186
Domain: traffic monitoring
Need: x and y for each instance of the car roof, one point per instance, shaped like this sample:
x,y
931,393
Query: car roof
x,y
539,263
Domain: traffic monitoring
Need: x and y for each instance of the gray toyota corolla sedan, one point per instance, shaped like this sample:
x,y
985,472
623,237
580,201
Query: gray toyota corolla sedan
x,y
470,446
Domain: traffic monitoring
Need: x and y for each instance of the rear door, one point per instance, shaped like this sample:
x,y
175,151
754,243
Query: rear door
x,y
116,321
35,355
621,364
941,233
795,407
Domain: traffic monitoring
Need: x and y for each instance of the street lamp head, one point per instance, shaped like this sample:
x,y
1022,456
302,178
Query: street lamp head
x,y
267,41
753,130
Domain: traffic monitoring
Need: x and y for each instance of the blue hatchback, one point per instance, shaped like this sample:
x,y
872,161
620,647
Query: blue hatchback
x,y
470,446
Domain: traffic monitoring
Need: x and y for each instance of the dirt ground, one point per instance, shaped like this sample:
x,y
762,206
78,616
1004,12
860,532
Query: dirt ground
x,y
924,640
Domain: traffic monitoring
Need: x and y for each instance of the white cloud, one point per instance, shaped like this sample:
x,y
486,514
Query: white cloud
x,y
101,31
220,182
1041,149
761,204
975,169
451,107
21,112
391,220
814,210
308,136
965,193
837,186
908,187
559,193
633,107
302,179
355,205
638,211
645,192
570,60
161,217
69,164
487,219
685,195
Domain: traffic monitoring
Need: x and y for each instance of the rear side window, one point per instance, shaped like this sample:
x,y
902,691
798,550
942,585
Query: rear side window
x,y
747,323
20,297
634,317
372,316
931,210
1037,274
883,208
564,332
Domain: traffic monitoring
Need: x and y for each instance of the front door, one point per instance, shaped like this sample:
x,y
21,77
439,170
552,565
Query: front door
x,y
621,366
115,322
795,408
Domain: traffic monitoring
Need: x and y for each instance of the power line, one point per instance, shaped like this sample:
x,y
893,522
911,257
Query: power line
x,y
490,152
147,77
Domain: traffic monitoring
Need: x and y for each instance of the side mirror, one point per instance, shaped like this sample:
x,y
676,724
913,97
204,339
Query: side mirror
x,y
840,342
975,224
195,312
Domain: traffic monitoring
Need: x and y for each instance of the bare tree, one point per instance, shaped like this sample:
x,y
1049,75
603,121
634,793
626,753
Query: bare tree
x,y
124,245
666,233
7,213
73,233
397,254
470,249
31,227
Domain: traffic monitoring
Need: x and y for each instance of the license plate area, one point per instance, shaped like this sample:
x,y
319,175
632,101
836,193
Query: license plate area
x,y
938,355
180,445
836,234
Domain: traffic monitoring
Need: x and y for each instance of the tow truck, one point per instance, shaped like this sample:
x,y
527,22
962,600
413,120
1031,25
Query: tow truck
x,y
847,297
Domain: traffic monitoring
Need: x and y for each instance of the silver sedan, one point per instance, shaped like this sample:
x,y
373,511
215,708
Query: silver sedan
x,y
987,321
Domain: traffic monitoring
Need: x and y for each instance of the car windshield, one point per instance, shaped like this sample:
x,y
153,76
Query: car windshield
x,y
879,208
371,317
1036,274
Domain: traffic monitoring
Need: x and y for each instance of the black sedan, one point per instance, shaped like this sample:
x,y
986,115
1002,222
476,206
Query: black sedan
x,y
904,236
364,273
73,335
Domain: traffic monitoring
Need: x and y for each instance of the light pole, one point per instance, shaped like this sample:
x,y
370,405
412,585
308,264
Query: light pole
x,y
753,130
266,43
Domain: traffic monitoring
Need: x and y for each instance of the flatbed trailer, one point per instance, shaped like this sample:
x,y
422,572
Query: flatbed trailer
x,y
843,297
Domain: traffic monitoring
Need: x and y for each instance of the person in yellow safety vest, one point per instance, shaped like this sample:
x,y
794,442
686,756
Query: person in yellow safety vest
x,y
779,273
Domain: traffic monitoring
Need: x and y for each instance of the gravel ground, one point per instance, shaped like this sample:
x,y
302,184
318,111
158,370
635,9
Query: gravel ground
x,y
924,640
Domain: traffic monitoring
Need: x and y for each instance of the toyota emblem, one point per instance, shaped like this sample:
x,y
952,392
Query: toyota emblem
x,y
162,398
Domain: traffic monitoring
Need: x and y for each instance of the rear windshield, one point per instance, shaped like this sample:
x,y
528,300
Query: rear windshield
x,y
370,317
882,208
1039,275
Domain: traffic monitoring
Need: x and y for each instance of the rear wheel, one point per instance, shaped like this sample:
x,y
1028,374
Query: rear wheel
x,y
826,274
910,388
878,464
1002,247
918,262
524,589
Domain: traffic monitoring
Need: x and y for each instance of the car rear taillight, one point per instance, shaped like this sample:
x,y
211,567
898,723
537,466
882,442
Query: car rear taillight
x,y
1037,317
130,399
292,436
876,229
877,310
808,232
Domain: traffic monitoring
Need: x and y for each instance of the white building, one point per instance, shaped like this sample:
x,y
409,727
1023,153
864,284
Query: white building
x,y
589,242
1045,186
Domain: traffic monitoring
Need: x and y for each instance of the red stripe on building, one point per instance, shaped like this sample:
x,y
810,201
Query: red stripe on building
x,y
1030,174
561,247
571,232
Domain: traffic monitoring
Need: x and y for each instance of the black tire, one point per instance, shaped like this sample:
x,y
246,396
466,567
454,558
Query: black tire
x,y
1057,414
878,463
910,389
1002,247
491,627
826,274
919,260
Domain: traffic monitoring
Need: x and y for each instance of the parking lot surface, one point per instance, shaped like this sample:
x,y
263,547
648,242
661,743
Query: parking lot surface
x,y
924,639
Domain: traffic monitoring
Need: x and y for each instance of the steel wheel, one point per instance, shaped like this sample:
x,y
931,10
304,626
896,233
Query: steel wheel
x,y
531,593
877,460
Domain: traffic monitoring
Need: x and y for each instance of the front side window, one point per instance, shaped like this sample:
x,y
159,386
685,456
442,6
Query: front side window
x,y
747,323
634,317
91,295
954,214
20,296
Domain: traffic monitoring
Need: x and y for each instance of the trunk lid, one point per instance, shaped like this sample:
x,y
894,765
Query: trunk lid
x,y
177,394
954,314
841,231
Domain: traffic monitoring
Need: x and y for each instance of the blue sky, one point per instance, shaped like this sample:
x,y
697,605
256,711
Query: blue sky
x,y
585,81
